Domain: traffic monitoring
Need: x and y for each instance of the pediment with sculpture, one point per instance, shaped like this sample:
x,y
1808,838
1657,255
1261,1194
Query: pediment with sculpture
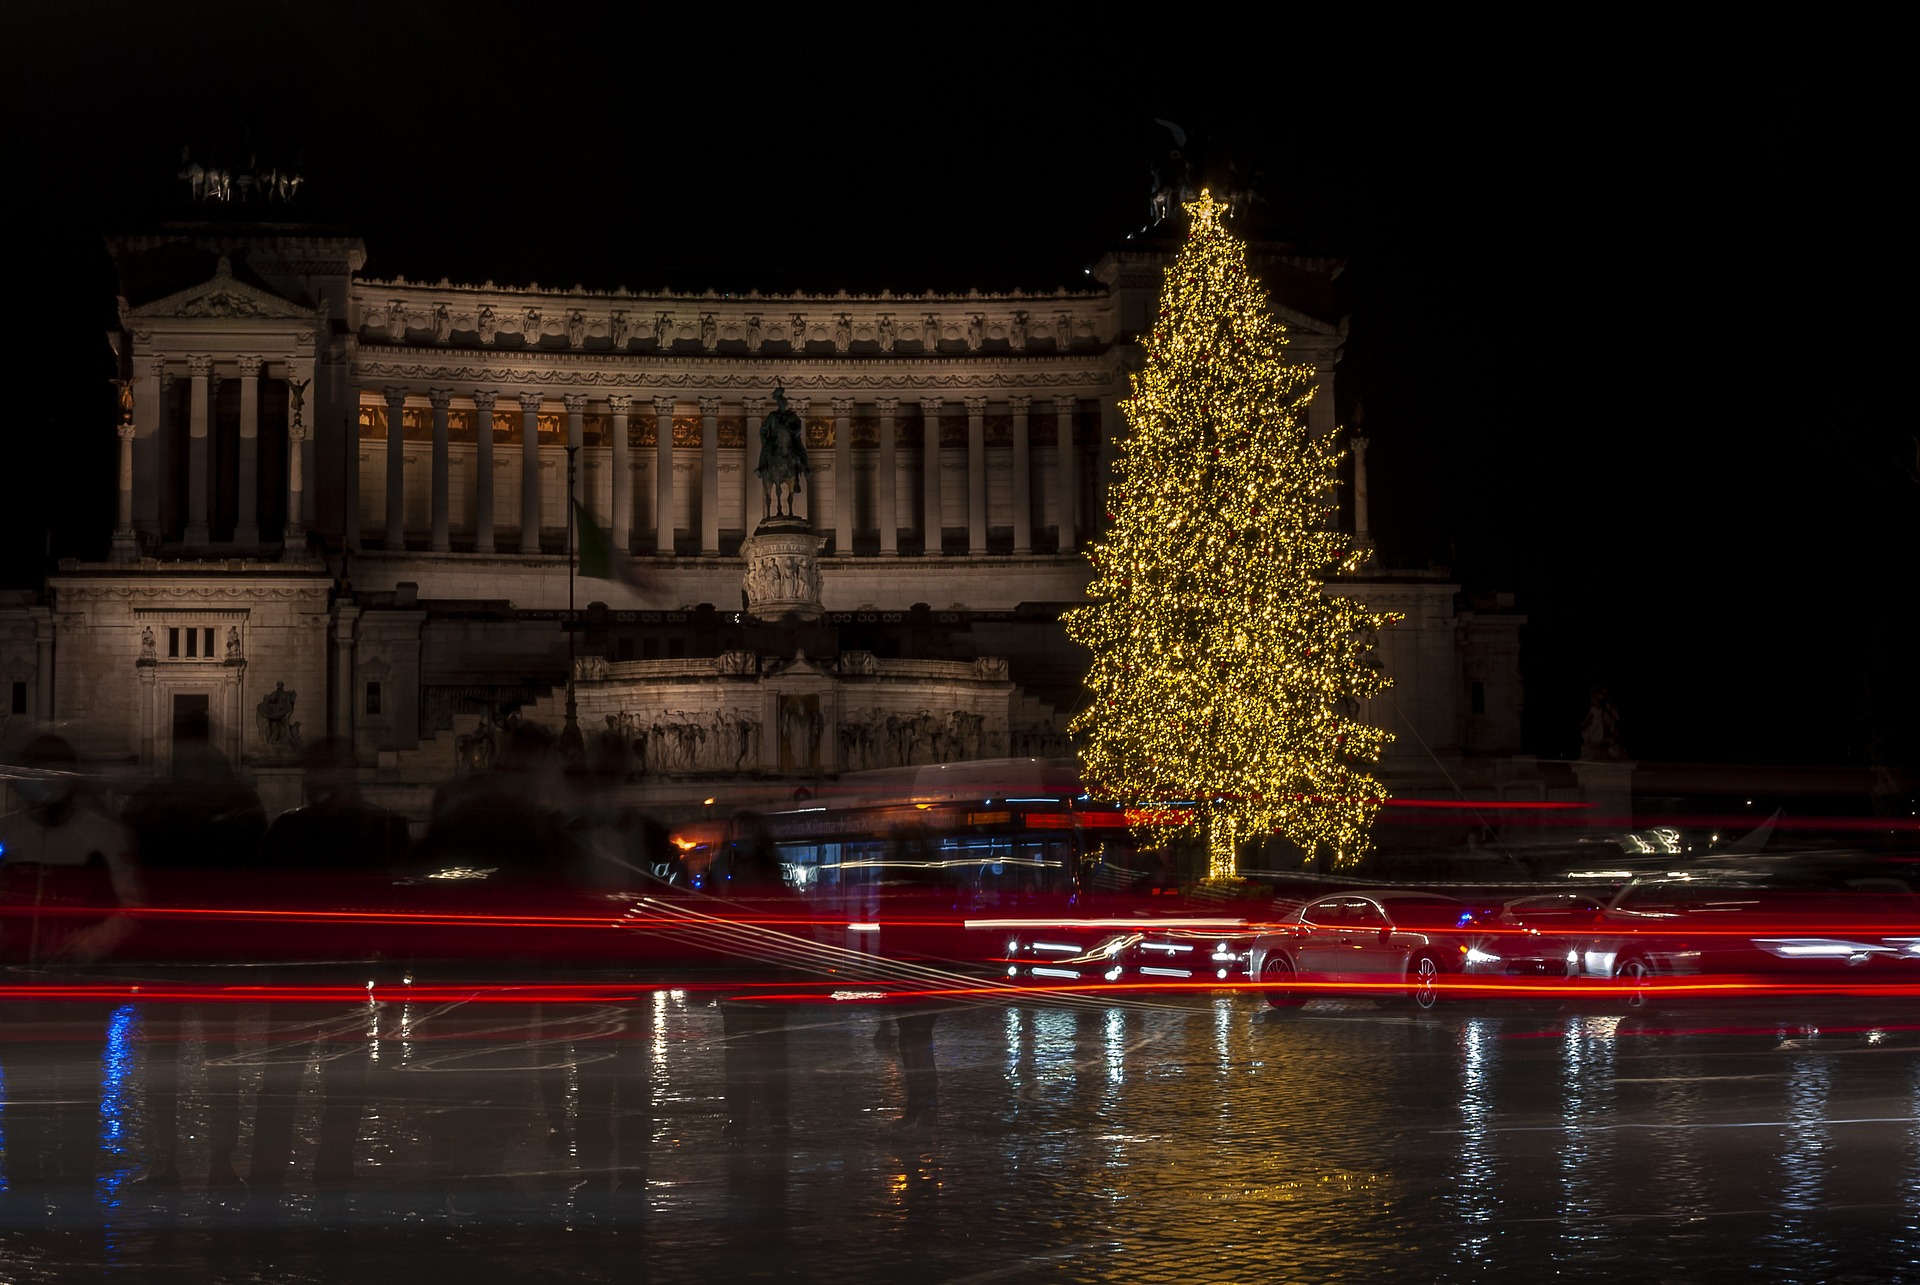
x,y
223,297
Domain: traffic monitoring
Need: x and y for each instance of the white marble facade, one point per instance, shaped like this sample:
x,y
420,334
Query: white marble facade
x,y
361,484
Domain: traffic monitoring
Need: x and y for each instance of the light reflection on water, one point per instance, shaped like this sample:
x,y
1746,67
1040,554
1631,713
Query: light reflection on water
x,y
1473,1182
117,1063
1170,1142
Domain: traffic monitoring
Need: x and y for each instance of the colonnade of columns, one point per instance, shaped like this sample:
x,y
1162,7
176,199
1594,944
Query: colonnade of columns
x,y
1063,488
139,457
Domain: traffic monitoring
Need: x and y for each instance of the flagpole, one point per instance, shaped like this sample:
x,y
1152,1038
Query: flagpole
x,y
573,747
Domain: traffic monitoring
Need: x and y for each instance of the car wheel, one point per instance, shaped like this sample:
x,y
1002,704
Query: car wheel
x,y
1634,972
1277,976
1423,981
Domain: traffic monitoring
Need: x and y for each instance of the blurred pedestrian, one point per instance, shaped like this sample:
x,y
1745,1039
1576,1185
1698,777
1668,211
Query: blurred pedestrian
x,y
67,883
754,1058
197,833
338,852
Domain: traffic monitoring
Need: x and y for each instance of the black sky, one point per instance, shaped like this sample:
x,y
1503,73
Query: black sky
x,y
1621,301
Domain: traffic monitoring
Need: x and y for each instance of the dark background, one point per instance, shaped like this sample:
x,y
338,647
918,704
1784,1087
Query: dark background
x,y
1621,300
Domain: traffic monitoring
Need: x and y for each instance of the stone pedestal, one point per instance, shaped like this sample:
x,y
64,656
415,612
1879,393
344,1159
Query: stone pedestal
x,y
1607,787
783,570
279,788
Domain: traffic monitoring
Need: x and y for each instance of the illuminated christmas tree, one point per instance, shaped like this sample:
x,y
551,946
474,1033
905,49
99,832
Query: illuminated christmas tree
x,y
1223,677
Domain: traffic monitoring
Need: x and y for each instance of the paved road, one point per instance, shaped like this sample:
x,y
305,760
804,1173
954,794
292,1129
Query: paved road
x,y
1193,1137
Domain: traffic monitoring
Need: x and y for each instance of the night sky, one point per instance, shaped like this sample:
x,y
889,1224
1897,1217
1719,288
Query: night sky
x,y
1618,316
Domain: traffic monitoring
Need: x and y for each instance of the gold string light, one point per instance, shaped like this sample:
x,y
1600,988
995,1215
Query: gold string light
x,y
1220,667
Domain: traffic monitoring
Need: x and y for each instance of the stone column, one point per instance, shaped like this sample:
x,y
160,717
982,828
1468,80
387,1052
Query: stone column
x,y
576,404
1362,537
1109,447
620,404
483,400
441,538
710,476
663,475
198,493
125,548
396,468
1068,470
529,472
755,409
886,502
1022,477
43,669
296,465
930,472
246,523
1320,406
149,412
803,493
843,476
350,482
976,476
346,617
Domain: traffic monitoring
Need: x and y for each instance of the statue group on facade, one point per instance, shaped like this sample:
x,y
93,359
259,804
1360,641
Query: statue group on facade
x,y
677,741
877,738
782,577
251,183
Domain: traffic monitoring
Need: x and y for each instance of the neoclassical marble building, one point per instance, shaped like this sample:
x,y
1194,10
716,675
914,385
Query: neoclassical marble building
x,y
343,510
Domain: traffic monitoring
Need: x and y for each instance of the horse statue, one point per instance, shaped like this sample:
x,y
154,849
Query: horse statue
x,y
783,456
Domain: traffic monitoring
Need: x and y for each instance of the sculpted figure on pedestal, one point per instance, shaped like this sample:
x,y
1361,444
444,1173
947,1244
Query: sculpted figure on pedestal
x,y
884,331
620,329
487,324
149,652
753,333
442,323
275,716
842,333
783,456
930,332
976,332
663,330
233,642
576,328
709,331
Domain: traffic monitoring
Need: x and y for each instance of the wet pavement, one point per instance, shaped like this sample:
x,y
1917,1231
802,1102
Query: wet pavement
x,y
1173,1138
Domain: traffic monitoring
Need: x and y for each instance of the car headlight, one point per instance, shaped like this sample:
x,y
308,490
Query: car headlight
x,y
1477,956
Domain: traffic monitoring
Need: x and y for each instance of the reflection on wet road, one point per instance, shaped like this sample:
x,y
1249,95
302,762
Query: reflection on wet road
x,y
1192,1137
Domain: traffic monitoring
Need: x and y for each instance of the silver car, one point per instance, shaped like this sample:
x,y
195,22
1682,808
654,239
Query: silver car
x,y
1403,942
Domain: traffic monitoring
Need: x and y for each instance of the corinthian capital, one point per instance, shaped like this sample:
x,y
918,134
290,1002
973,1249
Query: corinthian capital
x,y
843,406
